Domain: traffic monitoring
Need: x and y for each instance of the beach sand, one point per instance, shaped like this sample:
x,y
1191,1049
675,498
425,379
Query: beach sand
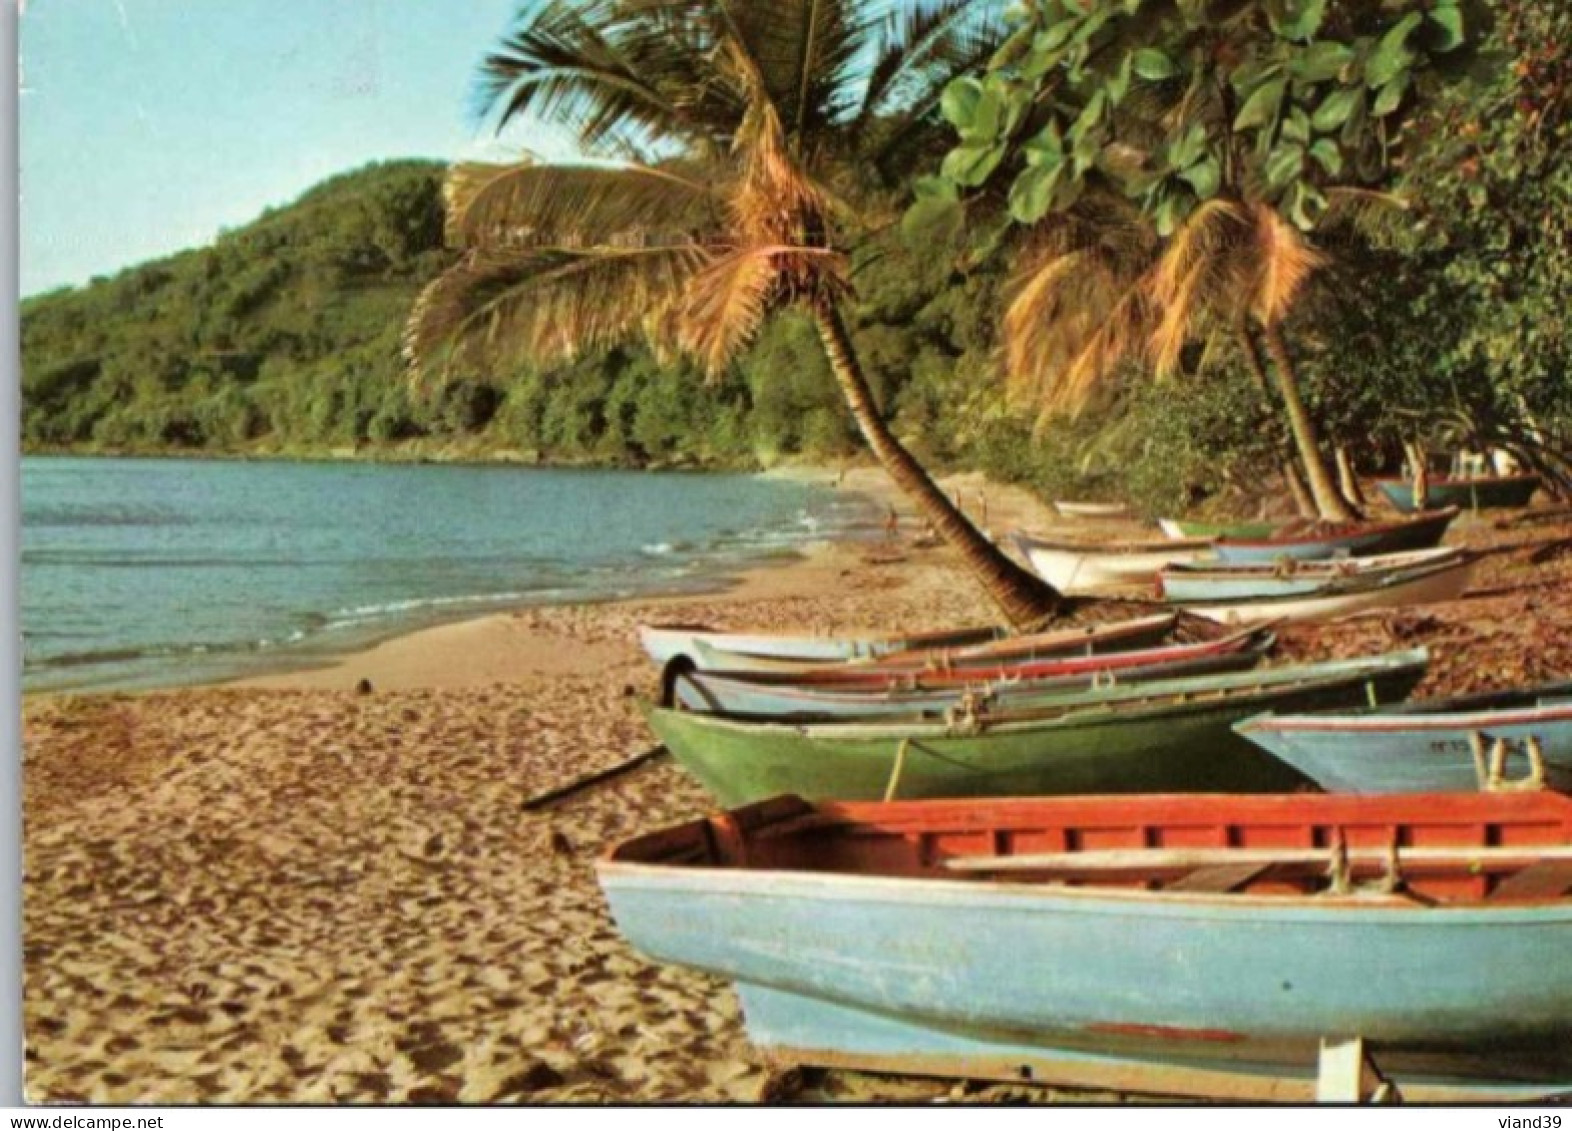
x,y
288,890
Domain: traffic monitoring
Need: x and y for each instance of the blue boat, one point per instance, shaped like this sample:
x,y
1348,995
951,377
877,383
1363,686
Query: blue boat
x,y
1350,540
1200,945
1475,494
1441,744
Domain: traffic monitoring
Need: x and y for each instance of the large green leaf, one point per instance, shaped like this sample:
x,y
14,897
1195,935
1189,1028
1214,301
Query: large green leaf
x,y
1328,155
1392,55
1154,65
1285,165
1301,19
1451,28
1260,109
1321,61
1391,96
1187,149
1306,206
1032,194
1045,149
1296,126
973,163
1205,177
1336,108
959,101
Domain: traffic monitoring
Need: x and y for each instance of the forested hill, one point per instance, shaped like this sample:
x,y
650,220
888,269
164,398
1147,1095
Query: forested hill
x,y
283,337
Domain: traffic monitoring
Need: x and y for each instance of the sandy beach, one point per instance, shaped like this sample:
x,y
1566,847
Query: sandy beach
x,y
292,890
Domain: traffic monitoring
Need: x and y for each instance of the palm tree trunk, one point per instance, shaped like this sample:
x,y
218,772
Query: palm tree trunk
x,y
1328,501
1024,599
1419,472
1295,482
1347,478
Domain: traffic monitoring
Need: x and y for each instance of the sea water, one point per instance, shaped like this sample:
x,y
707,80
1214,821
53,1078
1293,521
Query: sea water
x,y
140,573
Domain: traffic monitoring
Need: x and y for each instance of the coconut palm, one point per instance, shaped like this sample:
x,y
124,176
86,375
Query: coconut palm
x,y
724,145
1100,287
1236,129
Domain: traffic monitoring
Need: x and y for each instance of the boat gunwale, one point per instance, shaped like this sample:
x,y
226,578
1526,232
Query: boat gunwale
x,y
1336,672
1372,584
774,883
1460,720
850,677
1459,481
1362,530
1111,549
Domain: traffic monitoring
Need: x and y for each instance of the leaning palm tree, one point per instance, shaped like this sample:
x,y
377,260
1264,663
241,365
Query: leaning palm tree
x,y
1100,287
723,145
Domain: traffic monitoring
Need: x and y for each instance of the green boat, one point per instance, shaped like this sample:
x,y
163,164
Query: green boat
x,y
1182,529
1121,740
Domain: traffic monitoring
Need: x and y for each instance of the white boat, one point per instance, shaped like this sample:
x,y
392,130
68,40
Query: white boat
x,y
1204,582
665,643
1080,567
1343,597
1071,509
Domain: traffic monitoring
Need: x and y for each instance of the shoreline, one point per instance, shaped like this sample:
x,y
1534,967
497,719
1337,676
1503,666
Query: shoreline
x,y
477,649
303,894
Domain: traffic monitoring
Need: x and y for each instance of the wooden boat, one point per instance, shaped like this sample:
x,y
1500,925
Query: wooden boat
x,y
1071,509
1181,529
1288,578
1178,945
1440,744
715,694
853,677
1474,494
1080,567
666,642
1123,741
1088,640
1353,540
1343,597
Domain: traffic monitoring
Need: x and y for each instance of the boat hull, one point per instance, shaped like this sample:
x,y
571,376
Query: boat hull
x,y
1470,494
1420,587
1177,744
1087,569
717,694
665,643
1416,753
931,975
1254,581
1420,533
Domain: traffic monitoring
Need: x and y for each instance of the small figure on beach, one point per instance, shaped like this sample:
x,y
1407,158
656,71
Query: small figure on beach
x,y
892,525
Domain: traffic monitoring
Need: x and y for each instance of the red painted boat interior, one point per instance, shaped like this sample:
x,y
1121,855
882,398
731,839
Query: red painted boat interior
x,y
1521,843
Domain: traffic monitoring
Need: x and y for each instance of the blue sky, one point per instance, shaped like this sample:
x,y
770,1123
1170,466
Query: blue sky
x,y
148,125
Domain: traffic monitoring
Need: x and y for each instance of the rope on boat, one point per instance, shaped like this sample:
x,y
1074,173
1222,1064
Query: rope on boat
x,y
895,772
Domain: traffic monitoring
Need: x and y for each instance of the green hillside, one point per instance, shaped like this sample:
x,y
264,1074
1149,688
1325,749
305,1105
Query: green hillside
x,y
283,338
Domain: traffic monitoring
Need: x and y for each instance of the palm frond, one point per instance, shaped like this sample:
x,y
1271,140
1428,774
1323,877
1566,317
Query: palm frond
x,y
613,73
577,205
728,301
1285,262
1369,213
1189,280
921,47
544,306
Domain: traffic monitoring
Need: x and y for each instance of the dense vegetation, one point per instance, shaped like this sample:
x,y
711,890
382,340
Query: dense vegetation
x,y
284,336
